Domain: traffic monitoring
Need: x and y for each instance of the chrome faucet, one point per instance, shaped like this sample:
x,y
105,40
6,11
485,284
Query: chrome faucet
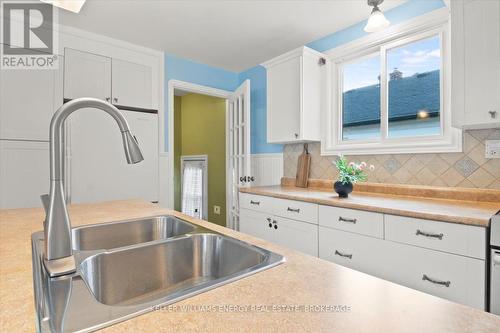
x,y
59,259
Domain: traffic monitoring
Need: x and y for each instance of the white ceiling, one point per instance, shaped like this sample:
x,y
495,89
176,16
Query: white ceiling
x,y
234,35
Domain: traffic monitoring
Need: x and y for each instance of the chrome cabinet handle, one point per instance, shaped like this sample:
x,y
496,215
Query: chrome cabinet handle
x,y
115,99
269,220
493,114
254,202
427,234
296,135
345,219
293,210
441,283
348,256
108,99
275,224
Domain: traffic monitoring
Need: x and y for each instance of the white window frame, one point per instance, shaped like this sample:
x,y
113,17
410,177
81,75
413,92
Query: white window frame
x,y
450,140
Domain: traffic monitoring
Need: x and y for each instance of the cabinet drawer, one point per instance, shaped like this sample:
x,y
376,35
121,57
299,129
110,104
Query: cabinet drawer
x,y
352,250
256,202
296,235
358,221
297,210
448,237
453,277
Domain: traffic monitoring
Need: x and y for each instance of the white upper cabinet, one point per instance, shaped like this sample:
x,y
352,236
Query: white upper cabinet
x,y
122,83
28,98
296,95
475,63
86,75
132,85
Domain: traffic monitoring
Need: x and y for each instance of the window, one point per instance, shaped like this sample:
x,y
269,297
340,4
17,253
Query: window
x,y
392,96
194,186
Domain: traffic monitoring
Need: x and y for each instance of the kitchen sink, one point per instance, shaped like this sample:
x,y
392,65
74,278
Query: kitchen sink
x,y
128,268
141,274
123,233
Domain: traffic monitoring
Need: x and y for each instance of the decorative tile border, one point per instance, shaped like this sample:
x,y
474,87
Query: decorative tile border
x,y
467,169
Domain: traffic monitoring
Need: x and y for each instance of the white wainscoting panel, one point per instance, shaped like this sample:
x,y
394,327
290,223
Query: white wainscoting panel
x,y
267,169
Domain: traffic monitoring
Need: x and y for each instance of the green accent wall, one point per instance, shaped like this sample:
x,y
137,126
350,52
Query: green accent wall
x,y
199,129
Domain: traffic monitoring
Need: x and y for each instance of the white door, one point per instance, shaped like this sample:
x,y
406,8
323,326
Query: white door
x,y
28,98
238,150
86,75
132,84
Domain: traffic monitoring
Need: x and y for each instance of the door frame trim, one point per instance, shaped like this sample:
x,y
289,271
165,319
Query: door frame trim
x,y
197,89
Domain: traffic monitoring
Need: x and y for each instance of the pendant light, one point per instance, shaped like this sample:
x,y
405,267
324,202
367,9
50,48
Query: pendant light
x,y
377,20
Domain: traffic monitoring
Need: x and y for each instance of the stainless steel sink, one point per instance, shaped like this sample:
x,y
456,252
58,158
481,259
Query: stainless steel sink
x,y
123,233
127,268
166,268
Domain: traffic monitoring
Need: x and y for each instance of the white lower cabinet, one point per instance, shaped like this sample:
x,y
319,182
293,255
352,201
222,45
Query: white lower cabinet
x,y
443,259
355,251
453,277
256,224
24,173
297,235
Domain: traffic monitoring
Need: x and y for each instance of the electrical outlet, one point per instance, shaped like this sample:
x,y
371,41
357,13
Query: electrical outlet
x,y
217,210
492,148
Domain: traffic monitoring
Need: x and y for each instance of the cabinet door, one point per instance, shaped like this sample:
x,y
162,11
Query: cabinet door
x,y
98,168
132,84
296,235
482,62
256,224
284,101
24,173
28,98
86,75
145,174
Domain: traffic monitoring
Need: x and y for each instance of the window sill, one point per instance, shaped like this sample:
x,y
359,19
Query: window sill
x,y
450,144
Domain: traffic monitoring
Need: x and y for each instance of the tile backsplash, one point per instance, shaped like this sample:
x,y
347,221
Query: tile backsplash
x,y
467,169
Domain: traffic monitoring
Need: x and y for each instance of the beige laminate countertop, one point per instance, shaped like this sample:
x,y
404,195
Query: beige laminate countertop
x,y
374,305
455,211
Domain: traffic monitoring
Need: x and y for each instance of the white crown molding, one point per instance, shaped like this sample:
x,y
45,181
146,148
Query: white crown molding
x,y
290,55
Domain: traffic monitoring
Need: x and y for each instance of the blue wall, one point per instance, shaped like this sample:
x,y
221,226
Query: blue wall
x,y
190,71
258,114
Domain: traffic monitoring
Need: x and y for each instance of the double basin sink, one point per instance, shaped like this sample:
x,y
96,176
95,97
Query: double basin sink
x,y
127,268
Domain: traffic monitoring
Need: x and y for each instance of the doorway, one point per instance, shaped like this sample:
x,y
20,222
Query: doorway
x,y
235,144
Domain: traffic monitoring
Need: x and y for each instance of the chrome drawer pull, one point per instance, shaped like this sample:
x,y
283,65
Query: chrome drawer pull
x,y
348,256
293,210
426,234
254,202
345,219
441,283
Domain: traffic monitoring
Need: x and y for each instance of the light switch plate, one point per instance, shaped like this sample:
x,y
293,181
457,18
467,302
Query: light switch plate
x,y
492,148
217,210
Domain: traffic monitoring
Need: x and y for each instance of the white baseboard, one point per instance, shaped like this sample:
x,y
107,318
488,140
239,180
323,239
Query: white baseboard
x,y
267,169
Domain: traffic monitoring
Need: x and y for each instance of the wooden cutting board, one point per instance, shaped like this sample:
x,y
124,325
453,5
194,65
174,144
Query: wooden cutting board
x,y
303,166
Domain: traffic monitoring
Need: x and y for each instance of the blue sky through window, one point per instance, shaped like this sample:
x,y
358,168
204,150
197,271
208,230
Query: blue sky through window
x,y
417,57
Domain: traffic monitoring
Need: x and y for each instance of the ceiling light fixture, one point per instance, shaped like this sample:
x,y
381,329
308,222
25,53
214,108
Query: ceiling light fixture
x,y
377,20
72,5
